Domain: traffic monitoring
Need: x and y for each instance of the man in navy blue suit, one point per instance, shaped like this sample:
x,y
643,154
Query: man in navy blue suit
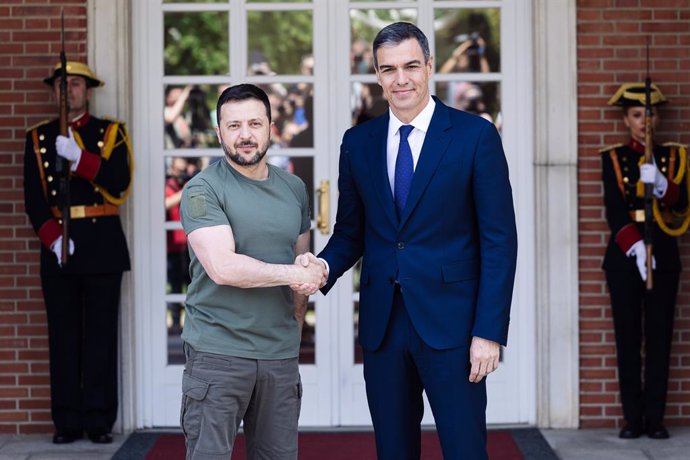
x,y
426,201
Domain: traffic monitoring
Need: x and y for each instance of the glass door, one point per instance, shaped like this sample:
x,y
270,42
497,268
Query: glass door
x,y
313,58
202,48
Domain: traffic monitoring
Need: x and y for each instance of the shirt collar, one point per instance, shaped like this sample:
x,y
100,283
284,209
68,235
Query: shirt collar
x,y
420,122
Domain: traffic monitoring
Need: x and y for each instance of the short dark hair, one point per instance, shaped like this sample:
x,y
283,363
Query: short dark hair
x,y
397,33
243,92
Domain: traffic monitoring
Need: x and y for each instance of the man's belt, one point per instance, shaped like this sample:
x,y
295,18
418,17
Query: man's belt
x,y
637,215
81,212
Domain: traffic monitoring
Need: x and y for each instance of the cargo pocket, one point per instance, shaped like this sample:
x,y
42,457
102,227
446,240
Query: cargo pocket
x,y
194,391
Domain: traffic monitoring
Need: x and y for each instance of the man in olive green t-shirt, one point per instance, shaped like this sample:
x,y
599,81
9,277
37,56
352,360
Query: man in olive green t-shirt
x,y
246,221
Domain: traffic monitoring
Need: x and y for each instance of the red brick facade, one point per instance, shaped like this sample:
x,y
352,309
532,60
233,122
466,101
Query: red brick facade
x,y
30,37
611,39
611,36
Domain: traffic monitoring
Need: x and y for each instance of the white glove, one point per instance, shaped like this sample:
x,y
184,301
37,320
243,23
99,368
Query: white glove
x,y
56,247
650,174
68,149
639,251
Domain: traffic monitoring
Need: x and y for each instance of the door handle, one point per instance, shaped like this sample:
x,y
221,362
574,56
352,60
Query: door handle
x,y
323,220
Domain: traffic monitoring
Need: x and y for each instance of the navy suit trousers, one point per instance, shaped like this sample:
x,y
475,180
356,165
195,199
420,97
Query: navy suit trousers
x,y
396,374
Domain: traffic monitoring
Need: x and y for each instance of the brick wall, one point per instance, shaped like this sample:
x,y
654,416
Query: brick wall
x,y
30,38
611,50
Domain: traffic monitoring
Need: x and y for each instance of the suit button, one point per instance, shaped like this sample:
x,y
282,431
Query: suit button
x,y
401,245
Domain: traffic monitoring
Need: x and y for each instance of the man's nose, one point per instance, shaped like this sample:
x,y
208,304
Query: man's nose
x,y
400,77
244,131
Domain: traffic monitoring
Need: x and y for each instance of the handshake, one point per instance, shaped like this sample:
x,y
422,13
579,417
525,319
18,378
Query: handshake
x,y
311,274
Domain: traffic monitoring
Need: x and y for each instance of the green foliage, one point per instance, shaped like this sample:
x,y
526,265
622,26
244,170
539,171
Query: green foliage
x,y
282,38
196,43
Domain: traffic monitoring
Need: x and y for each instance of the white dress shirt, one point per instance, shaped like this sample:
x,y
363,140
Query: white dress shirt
x,y
415,139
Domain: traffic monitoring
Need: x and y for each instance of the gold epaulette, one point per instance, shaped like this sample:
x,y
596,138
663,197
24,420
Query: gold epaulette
x,y
611,147
673,144
40,123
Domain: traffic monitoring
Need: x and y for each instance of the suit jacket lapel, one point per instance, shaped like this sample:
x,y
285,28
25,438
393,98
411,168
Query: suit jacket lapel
x,y
435,144
379,167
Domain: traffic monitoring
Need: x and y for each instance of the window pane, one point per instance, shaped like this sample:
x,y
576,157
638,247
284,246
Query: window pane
x,y
278,41
356,272
468,40
307,349
366,102
196,43
482,99
292,113
278,1
195,1
190,116
364,25
174,321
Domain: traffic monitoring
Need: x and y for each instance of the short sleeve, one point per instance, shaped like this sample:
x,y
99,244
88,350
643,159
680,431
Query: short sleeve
x,y
200,207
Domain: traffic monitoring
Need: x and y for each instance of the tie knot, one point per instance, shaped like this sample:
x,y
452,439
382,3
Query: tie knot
x,y
405,131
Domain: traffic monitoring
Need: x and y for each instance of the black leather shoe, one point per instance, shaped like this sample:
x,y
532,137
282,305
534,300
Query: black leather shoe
x,y
101,438
65,437
657,432
630,431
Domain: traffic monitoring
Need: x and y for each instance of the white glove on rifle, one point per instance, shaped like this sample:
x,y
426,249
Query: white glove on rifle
x,y
639,251
68,149
56,247
650,174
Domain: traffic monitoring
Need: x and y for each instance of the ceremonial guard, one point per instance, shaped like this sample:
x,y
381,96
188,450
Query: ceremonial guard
x,y
642,314
87,172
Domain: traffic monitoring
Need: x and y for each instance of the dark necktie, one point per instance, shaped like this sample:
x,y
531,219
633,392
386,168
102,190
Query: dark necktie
x,y
404,169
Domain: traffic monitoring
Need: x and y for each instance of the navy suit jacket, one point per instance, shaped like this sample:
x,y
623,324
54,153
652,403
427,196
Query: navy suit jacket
x,y
454,248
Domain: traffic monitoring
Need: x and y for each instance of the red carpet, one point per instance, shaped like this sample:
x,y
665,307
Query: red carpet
x,y
341,446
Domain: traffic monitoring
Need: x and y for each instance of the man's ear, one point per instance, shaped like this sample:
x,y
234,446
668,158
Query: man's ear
x,y
220,139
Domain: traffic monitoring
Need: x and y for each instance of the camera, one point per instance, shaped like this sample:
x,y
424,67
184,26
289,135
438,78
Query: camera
x,y
474,36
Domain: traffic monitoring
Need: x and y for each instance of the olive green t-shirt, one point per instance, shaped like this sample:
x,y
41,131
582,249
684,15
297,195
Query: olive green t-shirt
x,y
266,218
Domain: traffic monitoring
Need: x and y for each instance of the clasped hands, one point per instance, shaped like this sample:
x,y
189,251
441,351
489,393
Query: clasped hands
x,y
312,274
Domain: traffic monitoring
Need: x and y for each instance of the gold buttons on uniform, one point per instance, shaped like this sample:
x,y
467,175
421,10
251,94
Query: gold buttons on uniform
x,y
60,221
53,192
102,130
46,164
100,144
42,137
43,150
50,178
96,189
663,169
663,159
626,180
93,221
